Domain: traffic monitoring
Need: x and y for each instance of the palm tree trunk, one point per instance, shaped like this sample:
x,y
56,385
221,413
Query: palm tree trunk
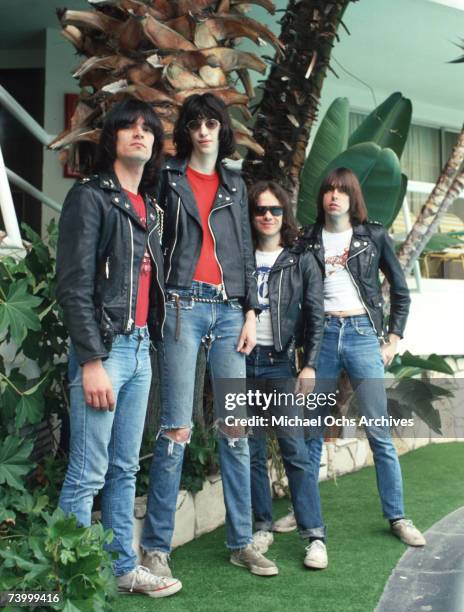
x,y
292,91
445,191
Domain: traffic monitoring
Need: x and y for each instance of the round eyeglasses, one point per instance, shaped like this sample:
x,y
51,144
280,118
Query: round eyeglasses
x,y
195,124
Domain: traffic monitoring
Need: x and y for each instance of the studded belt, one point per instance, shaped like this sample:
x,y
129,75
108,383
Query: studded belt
x,y
194,298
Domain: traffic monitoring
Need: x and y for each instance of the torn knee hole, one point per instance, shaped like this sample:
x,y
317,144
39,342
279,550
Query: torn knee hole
x,y
178,435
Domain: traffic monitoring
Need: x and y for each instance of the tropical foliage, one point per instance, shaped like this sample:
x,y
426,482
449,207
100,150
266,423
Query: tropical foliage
x,y
372,151
160,52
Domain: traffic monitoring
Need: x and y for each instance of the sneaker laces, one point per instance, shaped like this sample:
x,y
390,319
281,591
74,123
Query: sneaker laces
x,y
142,574
261,535
315,544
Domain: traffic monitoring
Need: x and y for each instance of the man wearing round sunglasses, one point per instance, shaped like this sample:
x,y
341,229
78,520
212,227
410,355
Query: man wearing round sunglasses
x,y
292,315
211,302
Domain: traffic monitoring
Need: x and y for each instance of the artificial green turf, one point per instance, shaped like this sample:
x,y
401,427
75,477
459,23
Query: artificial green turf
x,y
362,553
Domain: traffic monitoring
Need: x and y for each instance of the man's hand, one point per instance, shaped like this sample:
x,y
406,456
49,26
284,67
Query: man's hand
x,y
390,349
98,391
305,381
247,340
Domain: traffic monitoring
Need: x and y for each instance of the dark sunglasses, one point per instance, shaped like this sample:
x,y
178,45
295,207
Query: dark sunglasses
x,y
276,211
195,124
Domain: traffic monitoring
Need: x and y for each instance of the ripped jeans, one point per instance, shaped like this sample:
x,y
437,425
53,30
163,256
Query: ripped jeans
x,y
189,324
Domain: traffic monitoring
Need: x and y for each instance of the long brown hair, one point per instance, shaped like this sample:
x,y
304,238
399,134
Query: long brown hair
x,y
345,180
289,230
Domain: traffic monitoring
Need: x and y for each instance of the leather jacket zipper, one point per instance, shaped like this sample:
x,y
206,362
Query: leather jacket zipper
x,y
175,240
157,278
215,254
130,320
278,309
359,292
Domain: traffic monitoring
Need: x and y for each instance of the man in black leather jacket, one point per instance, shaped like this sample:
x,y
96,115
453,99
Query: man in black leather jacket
x,y
350,252
110,286
292,315
211,303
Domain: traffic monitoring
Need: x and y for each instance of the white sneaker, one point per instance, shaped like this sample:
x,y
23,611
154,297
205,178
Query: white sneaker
x,y
141,580
262,540
408,533
285,524
316,555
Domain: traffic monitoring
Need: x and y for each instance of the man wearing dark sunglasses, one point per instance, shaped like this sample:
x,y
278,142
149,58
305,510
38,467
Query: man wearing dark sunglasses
x,y
292,315
211,302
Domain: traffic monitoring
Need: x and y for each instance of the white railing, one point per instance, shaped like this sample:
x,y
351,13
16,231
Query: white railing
x,y
12,240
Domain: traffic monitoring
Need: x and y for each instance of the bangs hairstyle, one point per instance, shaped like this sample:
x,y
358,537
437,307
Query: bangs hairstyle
x,y
346,181
120,116
203,106
289,230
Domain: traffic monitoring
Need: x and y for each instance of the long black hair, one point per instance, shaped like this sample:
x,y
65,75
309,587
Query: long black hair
x,y
289,230
203,106
120,116
344,180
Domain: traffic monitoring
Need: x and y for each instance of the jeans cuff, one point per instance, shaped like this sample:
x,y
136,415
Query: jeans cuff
x,y
239,546
313,532
263,525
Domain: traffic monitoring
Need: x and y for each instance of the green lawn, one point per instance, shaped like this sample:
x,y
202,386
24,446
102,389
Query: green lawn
x,y
362,553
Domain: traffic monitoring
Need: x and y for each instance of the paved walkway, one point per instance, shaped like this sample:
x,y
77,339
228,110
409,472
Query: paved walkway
x,y
430,579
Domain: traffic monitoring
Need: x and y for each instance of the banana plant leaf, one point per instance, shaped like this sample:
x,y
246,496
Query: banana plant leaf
x,y
440,242
379,173
387,125
330,140
407,361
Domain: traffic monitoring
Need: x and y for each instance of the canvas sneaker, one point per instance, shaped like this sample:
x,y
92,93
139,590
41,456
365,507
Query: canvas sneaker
x,y
157,562
285,524
316,555
262,540
141,580
254,561
408,533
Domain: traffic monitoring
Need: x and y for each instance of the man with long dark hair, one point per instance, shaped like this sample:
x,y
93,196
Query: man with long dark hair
x,y
110,286
211,302
292,316
351,252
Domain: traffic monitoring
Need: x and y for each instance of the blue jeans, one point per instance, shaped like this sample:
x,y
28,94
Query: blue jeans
x,y
267,364
104,445
352,344
189,325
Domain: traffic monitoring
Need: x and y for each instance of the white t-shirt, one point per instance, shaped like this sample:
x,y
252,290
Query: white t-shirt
x,y
339,291
264,262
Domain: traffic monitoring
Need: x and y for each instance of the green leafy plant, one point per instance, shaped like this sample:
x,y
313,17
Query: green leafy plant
x,y
372,152
58,555
200,459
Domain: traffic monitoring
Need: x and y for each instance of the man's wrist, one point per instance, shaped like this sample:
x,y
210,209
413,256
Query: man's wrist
x,y
93,364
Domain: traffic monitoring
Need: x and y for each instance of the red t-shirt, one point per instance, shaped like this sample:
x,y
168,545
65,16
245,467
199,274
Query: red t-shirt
x,y
143,293
204,187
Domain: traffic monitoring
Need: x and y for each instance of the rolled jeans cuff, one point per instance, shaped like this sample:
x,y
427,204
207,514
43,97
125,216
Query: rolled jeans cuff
x,y
263,525
314,532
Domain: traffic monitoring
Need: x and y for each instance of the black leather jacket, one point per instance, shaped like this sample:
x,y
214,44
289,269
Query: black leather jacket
x,y
230,226
371,250
100,249
296,302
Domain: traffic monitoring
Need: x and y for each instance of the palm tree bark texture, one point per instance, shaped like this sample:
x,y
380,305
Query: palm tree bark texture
x,y
292,91
444,193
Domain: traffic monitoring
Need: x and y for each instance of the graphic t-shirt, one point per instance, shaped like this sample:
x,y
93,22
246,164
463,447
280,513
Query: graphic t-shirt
x,y
339,291
264,262
143,293
204,187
